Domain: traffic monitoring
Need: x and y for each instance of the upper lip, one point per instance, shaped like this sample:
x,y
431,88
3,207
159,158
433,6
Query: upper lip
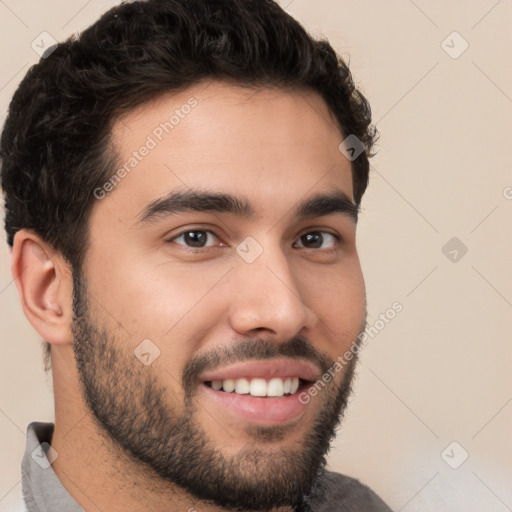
x,y
283,367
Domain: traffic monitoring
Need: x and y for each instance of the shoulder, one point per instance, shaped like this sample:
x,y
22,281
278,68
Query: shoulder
x,y
337,492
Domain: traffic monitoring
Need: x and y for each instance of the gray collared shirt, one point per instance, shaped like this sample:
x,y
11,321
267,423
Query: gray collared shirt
x,y
41,487
44,492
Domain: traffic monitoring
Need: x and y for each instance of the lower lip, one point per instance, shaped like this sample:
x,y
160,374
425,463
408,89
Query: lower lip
x,y
260,410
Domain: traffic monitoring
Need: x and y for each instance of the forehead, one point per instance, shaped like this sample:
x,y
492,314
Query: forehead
x,y
264,143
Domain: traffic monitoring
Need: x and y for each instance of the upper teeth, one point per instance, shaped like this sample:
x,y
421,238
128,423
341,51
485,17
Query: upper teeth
x,y
258,386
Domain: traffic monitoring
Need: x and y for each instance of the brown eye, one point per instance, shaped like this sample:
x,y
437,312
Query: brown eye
x,y
194,238
316,240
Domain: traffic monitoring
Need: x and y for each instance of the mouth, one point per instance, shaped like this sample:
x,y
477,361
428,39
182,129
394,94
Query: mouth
x,y
258,401
262,392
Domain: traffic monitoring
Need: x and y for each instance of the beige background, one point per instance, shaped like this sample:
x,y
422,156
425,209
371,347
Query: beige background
x,y
440,371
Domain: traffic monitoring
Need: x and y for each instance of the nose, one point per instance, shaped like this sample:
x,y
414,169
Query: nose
x,y
267,297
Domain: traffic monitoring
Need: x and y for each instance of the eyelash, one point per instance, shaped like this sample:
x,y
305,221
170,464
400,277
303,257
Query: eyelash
x,y
201,249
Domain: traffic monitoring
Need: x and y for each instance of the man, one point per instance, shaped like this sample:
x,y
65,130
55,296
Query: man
x,y
182,183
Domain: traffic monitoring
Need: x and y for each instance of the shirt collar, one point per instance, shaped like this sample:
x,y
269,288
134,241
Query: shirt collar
x,y
41,487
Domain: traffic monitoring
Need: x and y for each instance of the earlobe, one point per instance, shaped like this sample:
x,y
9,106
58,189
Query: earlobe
x,y
45,286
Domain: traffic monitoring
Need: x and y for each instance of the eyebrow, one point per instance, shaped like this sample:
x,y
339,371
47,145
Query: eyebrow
x,y
178,202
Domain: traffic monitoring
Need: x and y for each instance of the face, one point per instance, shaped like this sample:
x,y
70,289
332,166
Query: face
x,y
224,256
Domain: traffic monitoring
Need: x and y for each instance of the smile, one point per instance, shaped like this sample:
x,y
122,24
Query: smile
x,y
258,387
261,408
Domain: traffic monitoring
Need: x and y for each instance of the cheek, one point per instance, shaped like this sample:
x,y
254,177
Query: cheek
x,y
129,293
158,303
169,303
337,296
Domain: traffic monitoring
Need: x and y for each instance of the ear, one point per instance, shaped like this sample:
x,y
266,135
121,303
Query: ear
x,y
44,281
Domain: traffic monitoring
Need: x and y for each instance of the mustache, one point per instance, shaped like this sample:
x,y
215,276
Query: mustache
x,y
248,350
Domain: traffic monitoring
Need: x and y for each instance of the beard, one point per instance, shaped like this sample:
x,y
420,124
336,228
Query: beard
x,y
130,405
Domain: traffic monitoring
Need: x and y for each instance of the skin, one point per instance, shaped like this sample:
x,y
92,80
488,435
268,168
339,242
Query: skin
x,y
273,148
